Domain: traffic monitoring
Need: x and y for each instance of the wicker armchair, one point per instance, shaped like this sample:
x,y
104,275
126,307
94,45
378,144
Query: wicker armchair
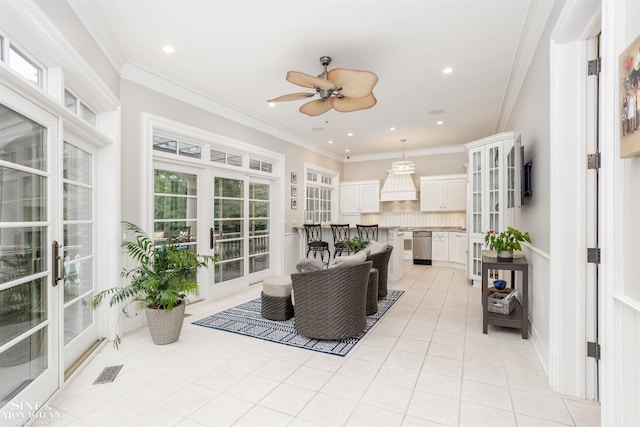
x,y
331,304
381,262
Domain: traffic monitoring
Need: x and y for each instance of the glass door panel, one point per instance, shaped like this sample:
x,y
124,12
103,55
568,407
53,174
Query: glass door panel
x,y
259,212
229,228
175,208
28,350
78,225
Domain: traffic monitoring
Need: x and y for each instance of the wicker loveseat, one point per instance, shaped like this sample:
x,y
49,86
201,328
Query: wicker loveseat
x,y
331,304
381,262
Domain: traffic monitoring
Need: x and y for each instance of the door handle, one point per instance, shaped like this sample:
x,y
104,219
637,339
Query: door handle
x,y
212,238
58,270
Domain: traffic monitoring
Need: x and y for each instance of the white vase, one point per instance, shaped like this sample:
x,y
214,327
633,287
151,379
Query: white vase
x,y
505,256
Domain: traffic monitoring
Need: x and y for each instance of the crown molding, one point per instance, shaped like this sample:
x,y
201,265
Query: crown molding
x,y
160,84
434,151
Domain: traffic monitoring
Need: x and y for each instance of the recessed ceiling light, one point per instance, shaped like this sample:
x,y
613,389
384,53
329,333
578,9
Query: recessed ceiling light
x,y
272,104
447,70
350,134
436,112
330,142
168,49
392,129
347,150
439,122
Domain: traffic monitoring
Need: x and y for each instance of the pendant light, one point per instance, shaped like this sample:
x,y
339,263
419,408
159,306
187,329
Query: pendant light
x,y
404,165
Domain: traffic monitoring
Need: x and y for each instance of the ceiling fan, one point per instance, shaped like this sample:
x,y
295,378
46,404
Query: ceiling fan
x,y
342,89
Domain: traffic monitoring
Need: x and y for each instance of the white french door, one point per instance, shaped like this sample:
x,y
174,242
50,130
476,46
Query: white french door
x,y
29,225
241,228
46,255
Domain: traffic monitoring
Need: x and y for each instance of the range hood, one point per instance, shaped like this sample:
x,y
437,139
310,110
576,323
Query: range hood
x,y
398,187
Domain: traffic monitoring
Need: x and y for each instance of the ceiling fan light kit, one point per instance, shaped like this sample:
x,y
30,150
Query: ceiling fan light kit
x,y
342,89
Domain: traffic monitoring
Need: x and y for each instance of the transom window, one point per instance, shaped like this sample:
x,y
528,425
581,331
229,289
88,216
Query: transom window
x,y
20,62
79,108
320,194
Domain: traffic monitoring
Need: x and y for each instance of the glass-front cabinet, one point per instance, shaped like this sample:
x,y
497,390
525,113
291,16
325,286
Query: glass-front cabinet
x,y
486,194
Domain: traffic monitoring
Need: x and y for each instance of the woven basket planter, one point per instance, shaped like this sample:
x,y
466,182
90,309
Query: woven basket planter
x,y
165,326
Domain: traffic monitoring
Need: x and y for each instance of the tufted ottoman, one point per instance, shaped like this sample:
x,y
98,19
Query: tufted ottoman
x,y
276,298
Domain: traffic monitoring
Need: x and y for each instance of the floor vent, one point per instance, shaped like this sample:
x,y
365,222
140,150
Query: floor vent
x,y
108,374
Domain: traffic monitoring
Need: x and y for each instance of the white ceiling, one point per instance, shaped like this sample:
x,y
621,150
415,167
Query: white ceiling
x,y
238,52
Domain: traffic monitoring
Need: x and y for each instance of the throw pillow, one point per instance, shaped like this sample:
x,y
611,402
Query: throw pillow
x,y
306,265
377,247
345,261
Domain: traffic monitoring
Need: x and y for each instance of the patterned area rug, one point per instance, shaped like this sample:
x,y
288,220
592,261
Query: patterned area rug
x,y
245,319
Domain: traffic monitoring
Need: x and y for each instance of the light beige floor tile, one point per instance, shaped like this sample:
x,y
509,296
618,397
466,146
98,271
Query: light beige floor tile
x,y
263,417
252,388
371,416
486,394
584,414
359,368
309,378
222,411
541,406
397,376
475,415
288,398
446,350
387,396
434,408
440,365
441,385
370,353
155,416
328,410
346,387
405,359
189,399
485,374
425,363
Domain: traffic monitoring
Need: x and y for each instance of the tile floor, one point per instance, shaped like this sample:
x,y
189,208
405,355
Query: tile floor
x,y
426,363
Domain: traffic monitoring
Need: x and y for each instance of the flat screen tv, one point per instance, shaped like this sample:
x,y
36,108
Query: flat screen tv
x,y
518,175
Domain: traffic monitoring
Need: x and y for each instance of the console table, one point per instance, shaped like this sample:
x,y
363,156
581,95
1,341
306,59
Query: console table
x,y
518,318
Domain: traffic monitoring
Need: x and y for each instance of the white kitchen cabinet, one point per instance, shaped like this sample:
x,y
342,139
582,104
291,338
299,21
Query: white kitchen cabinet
x,y
440,246
359,197
446,193
487,195
458,247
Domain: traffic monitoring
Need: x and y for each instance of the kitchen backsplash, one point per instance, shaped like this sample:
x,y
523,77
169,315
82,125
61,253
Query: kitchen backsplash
x,y
416,219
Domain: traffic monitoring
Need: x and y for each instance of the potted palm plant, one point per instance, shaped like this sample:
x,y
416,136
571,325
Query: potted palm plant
x,y
505,242
160,282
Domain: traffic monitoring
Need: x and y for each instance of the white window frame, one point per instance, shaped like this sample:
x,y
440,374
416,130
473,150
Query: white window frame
x,y
333,188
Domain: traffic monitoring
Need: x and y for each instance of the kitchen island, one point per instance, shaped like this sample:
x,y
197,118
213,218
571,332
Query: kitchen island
x,y
391,235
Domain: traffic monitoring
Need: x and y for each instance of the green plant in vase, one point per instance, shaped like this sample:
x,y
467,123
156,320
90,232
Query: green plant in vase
x,y
505,242
356,244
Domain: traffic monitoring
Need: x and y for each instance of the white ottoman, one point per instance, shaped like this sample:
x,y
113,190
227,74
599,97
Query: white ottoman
x,y
276,298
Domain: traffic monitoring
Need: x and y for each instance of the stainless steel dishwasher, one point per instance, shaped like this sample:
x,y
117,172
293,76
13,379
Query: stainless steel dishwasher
x,y
422,247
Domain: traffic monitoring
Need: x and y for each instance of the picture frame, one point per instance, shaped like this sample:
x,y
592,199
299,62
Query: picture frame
x,y
294,191
294,203
294,177
629,107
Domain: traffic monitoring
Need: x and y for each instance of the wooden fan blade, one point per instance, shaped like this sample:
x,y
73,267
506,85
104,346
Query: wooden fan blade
x,y
344,105
292,97
306,80
354,83
317,107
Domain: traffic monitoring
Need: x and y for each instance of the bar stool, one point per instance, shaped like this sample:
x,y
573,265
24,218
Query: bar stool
x,y
315,242
368,232
340,234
